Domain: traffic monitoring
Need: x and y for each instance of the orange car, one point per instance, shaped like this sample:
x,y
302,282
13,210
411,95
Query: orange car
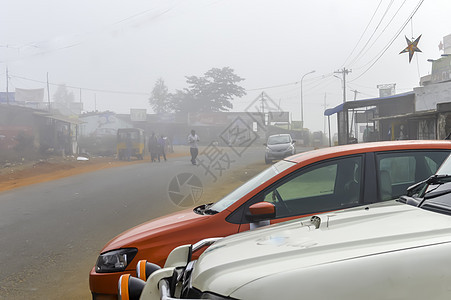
x,y
304,184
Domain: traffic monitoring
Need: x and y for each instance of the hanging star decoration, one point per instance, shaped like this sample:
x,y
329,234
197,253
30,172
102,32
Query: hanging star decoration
x,y
412,47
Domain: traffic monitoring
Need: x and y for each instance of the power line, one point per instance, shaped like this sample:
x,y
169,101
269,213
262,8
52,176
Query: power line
x,y
313,79
383,30
363,33
351,86
392,41
86,89
327,76
271,87
374,32
344,72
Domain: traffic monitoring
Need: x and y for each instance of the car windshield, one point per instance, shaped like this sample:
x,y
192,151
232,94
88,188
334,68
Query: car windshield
x,y
251,184
279,139
445,168
436,191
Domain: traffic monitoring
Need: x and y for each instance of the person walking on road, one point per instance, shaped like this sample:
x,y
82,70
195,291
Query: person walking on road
x,y
153,147
161,148
193,140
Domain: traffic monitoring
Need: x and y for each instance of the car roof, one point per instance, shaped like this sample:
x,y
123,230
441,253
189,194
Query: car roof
x,y
336,151
280,134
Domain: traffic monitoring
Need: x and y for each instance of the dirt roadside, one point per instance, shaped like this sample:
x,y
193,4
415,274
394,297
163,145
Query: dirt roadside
x,y
75,284
16,175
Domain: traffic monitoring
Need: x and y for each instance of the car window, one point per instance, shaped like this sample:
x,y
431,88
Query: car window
x,y
326,186
320,181
281,139
432,165
401,169
397,171
251,184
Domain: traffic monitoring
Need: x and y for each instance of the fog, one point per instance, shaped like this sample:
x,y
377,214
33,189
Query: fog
x,y
111,52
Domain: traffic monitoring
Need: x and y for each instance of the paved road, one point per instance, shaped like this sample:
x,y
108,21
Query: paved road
x,y
49,231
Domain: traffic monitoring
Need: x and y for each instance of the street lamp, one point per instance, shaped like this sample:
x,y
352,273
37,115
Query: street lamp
x,y
302,102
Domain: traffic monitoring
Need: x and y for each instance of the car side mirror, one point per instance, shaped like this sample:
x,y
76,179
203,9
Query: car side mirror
x,y
265,144
260,213
293,142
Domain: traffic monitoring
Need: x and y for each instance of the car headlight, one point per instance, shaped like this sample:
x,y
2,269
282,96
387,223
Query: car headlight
x,y
115,260
268,149
290,148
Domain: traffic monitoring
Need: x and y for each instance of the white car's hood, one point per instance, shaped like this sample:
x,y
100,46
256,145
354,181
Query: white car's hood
x,y
235,261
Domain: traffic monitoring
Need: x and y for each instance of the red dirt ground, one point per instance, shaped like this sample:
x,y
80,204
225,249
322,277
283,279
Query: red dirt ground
x,y
14,176
18,175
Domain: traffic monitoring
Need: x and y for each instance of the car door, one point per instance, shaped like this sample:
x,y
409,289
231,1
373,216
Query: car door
x,y
324,186
344,182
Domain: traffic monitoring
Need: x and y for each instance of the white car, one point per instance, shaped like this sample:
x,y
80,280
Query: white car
x,y
389,250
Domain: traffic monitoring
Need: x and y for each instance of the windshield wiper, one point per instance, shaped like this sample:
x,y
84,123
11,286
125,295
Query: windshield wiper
x,y
438,179
432,180
435,180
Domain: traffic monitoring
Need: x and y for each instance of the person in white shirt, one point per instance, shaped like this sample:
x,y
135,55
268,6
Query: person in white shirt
x,y
193,140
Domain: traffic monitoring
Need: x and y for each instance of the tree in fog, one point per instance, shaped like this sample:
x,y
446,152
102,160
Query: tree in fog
x,y
160,99
213,92
182,101
63,95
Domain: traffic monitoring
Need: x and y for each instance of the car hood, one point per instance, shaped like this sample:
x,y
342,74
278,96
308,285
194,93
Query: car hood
x,y
144,231
279,147
228,265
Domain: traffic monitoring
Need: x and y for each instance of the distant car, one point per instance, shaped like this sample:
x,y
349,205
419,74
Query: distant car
x,y
381,251
304,184
279,146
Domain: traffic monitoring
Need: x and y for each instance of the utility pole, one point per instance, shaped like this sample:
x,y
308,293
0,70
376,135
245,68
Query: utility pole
x,y
324,106
81,105
344,134
355,93
263,108
48,90
344,72
7,91
354,119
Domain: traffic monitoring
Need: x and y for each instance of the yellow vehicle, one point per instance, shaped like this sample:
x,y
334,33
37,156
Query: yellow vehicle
x,y
130,142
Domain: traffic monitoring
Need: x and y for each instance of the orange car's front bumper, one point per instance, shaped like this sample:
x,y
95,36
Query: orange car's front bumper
x,y
104,285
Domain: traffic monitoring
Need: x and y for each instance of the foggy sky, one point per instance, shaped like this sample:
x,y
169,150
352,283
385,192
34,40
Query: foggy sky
x,y
109,45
